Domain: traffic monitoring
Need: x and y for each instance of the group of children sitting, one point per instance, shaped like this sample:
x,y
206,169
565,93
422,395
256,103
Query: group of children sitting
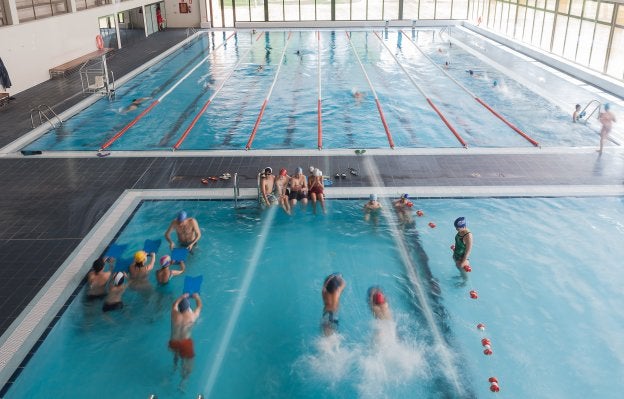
x,y
286,191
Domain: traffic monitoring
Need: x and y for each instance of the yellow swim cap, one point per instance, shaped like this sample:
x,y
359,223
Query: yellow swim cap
x,y
140,256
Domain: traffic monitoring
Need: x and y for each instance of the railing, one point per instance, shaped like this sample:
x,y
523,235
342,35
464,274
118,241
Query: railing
x,y
44,112
96,78
236,190
587,115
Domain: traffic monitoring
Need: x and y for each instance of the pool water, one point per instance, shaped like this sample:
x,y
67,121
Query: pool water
x,y
239,72
544,268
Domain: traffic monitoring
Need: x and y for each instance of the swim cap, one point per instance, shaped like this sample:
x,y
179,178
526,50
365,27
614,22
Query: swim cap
x,y
283,172
268,170
299,170
182,216
460,222
318,172
373,197
98,265
333,282
470,71
184,305
118,279
140,256
495,83
312,169
405,196
607,106
165,261
378,298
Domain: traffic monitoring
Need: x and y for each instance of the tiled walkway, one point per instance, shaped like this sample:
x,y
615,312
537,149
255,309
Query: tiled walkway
x,y
48,205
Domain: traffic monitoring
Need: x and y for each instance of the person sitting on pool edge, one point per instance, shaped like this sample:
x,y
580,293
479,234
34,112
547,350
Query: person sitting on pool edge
x,y
187,230
371,207
164,274
183,319
462,247
316,189
332,289
113,299
98,279
135,104
281,190
267,186
378,304
298,188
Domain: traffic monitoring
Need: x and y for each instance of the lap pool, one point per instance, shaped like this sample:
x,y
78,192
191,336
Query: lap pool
x,y
549,294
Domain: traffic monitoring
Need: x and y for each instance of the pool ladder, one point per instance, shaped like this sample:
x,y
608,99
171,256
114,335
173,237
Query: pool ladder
x,y
45,112
236,190
588,115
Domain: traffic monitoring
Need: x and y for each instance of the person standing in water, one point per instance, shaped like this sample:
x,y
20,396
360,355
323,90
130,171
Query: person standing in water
x,y
462,247
332,289
607,119
97,278
187,229
164,274
183,319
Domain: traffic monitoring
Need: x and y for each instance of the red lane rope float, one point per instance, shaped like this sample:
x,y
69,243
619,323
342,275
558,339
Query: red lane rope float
x,y
129,125
446,122
385,125
511,125
319,118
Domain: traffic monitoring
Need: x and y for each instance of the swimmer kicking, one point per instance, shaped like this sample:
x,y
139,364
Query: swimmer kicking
x,y
332,289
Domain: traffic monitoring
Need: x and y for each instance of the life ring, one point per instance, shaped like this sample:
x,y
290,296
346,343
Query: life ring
x,y
99,42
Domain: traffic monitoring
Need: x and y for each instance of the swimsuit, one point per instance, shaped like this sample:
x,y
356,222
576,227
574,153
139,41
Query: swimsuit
x,y
460,246
298,195
107,307
93,297
330,319
271,197
317,189
182,347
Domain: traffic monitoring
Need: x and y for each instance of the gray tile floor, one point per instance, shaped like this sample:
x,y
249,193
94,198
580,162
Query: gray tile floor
x,y
48,205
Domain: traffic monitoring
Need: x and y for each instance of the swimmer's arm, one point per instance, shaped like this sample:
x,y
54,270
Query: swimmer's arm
x,y
151,264
468,242
182,269
168,235
197,232
198,308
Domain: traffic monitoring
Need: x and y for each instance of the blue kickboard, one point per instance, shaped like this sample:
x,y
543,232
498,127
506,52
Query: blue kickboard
x,y
192,284
327,182
151,246
115,251
179,254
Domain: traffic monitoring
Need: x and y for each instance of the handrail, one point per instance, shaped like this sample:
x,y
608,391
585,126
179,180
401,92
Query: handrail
x,y
236,190
42,114
597,108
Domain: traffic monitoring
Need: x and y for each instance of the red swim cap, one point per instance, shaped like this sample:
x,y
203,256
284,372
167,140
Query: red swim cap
x,y
378,298
283,172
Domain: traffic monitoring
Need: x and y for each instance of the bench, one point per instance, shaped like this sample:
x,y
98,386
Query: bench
x,y
62,69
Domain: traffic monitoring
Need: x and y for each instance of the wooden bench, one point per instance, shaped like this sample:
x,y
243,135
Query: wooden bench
x,y
62,69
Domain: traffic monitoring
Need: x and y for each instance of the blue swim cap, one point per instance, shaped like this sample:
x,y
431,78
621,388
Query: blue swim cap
x,y
182,216
184,305
299,169
405,196
495,83
373,197
460,222
607,106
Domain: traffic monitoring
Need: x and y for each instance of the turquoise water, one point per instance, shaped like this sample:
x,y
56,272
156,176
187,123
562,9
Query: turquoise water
x,y
237,73
544,268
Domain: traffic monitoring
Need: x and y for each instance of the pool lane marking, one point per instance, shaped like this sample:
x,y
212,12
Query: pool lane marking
x,y
318,105
162,97
212,97
425,95
381,114
473,95
266,100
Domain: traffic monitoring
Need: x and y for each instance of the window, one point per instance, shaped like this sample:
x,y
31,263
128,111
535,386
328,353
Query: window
x,y
84,4
28,10
3,20
616,58
120,17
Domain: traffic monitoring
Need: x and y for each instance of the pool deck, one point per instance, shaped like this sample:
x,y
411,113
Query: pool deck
x,y
49,204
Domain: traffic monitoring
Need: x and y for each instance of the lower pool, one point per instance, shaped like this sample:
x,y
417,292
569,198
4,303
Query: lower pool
x,y
544,269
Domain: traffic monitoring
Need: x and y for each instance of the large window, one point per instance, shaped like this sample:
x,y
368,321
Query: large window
x,y
28,10
3,20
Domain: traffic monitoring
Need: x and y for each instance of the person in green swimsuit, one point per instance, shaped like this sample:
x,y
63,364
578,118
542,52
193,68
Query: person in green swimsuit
x,y
463,246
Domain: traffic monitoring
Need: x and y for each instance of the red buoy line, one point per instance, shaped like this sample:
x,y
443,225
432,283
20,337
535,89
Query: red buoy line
x,y
480,101
381,114
159,99
266,100
318,104
422,92
212,97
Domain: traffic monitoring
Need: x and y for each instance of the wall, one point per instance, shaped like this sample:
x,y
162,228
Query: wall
x,y
177,20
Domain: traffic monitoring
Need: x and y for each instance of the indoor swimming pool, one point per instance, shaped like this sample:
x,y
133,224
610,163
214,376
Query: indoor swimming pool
x,y
330,89
549,295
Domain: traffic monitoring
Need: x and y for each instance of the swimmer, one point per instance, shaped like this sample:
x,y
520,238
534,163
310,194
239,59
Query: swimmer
x,y
403,207
281,190
463,246
113,299
371,207
298,188
576,115
164,274
317,189
187,230
98,279
267,187
607,119
182,320
358,95
494,84
332,289
446,65
139,271
378,304
260,68
135,104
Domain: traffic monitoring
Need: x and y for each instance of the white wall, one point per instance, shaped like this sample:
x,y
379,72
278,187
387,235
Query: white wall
x,y
30,49
177,20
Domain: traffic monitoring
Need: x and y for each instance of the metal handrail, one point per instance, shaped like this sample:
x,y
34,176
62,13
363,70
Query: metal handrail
x,y
597,108
42,114
236,190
